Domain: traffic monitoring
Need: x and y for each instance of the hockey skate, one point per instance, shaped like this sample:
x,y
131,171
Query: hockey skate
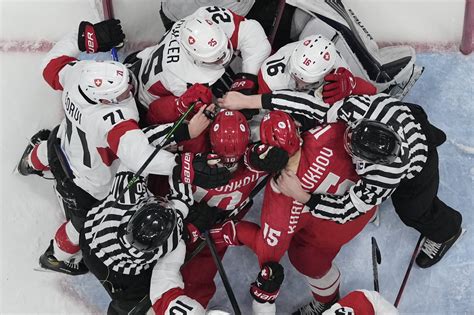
x,y
24,166
432,252
315,307
71,267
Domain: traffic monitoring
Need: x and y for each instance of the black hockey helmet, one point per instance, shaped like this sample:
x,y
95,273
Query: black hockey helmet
x,y
372,141
151,225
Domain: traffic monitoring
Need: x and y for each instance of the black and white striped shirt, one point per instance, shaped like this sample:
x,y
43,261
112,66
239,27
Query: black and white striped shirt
x,y
105,225
377,182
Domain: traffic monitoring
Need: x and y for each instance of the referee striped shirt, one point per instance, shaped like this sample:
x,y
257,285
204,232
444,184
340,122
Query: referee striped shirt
x,y
377,182
105,225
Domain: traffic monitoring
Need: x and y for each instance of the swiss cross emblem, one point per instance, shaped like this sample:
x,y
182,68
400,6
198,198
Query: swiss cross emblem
x,y
98,82
209,22
212,42
191,40
307,61
306,42
327,56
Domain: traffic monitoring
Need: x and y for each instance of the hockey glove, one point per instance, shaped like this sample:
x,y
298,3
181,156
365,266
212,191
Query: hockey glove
x,y
198,170
225,234
101,36
201,217
267,286
342,83
197,93
247,84
266,158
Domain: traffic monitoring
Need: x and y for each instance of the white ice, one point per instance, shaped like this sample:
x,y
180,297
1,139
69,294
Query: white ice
x,y
30,213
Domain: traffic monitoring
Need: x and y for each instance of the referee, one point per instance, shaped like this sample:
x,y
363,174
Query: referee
x,y
394,150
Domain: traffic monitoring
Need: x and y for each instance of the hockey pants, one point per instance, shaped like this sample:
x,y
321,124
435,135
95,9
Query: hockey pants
x,y
314,247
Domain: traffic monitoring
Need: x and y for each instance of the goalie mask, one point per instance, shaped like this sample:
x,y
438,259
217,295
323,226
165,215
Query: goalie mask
x,y
312,59
229,136
151,225
206,43
278,129
105,80
372,141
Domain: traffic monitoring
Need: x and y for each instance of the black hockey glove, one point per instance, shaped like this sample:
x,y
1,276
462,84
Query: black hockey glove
x,y
101,36
267,158
201,217
247,84
198,169
267,286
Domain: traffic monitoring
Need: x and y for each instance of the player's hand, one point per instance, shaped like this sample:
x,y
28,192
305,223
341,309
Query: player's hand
x,y
266,158
200,121
267,286
225,234
197,93
289,185
340,84
201,217
102,36
199,169
238,101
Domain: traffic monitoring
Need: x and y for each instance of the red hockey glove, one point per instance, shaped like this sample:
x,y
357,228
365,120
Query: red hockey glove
x,y
198,93
342,83
267,286
266,158
225,234
247,84
198,170
101,36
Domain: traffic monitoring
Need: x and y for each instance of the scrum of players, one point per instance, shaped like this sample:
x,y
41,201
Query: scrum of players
x,y
170,147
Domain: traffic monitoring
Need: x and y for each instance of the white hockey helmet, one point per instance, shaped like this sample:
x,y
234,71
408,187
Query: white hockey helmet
x,y
206,43
312,59
104,80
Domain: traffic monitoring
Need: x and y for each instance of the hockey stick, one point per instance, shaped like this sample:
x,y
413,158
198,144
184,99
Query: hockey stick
x,y
276,23
376,260
109,14
220,268
407,273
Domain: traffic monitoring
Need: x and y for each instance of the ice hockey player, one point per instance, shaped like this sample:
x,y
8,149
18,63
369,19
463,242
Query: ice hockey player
x,y
229,135
394,148
196,51
100,127
306,65
362,302
319,159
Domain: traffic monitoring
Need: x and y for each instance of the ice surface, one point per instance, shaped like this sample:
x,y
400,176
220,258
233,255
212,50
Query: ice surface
x,y
30,214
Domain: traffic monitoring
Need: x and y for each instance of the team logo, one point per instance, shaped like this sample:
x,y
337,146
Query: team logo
x,y
191,40
306,42
98,82
212,42
327,56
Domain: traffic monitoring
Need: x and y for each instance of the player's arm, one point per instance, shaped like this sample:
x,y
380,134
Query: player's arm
x,y
90,38
167,287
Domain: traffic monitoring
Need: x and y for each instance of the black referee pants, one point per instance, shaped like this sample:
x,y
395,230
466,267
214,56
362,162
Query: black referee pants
x,y
126,291
416,201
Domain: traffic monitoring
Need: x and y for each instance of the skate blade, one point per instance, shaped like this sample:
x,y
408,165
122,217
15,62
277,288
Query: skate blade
x,y
41,269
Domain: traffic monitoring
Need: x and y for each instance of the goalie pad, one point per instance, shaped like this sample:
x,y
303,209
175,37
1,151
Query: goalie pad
x,y
391,70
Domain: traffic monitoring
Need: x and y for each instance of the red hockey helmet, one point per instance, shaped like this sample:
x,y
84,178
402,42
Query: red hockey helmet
x,y
229,135
278,129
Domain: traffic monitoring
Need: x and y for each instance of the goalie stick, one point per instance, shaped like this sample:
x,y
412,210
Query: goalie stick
x,y
109,14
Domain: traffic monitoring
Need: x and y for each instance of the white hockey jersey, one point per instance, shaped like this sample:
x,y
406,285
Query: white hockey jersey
x,y
167,69
94,136
179,9
274,74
